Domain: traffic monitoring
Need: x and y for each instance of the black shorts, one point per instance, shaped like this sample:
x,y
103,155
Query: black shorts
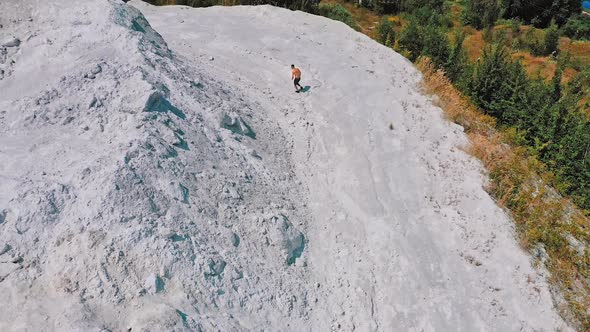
x,y
296,81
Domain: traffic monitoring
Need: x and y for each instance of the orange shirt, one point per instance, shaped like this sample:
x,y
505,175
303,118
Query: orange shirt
x,y
296,72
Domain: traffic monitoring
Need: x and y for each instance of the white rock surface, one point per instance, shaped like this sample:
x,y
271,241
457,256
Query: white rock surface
x,y
166,192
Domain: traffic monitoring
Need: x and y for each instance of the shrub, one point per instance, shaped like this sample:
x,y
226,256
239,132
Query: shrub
x,y
429,16
480,13
551,42
533,41
455,65
577,27
436,45
411,39
515,26
425,39
385,28
490,72
412,5
488,35
390,39
541,12
538,42
338,13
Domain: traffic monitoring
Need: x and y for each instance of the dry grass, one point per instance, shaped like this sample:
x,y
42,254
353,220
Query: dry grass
x,y
536,66
543,66
399,21
568,75
457,107
578,49
579,52
456,10
474,43
520,183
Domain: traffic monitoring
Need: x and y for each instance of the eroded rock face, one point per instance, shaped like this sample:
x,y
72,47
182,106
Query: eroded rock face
x,y
237,125
154,284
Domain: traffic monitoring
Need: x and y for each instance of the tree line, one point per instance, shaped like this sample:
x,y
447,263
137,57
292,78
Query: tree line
x,y
547,117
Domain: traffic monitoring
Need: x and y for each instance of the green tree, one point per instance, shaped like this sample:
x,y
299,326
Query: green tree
x,y
515,26
541,12
480,13
491,72
533,42
556,85
412,5
577,27
455,65
429,16
436,45
390,39
338,13
572,157
411,39
551,42
385,29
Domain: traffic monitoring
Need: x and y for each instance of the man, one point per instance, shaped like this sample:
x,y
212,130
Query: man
x,y
296,77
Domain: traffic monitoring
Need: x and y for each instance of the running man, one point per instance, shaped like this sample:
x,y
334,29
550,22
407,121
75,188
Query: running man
x,y
296,77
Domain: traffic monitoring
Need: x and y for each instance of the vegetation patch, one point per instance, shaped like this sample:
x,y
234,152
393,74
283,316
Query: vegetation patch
x,y
338,13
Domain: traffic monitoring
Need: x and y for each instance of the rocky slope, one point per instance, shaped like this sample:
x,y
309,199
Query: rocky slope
x,y
163,176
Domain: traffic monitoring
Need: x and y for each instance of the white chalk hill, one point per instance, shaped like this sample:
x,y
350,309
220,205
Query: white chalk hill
x,y
163,176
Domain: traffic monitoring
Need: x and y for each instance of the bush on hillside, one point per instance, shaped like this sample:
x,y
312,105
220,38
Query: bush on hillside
x,y
411,40
551,43
457,61
436,45
489,87
533,41
411,6
480,13
541,12
515,26
539,42
338,13
429,16
425,39
385,29
578,27
553,124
